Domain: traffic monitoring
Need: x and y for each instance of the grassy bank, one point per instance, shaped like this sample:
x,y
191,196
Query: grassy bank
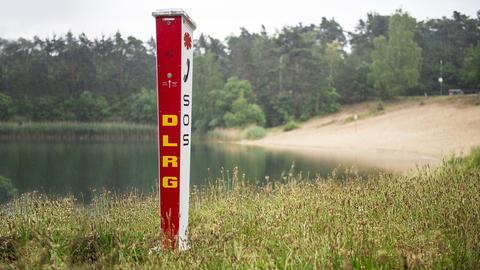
x,y
430,219
75,131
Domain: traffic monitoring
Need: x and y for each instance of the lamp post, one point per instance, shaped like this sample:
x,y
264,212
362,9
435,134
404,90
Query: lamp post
x,y
440,79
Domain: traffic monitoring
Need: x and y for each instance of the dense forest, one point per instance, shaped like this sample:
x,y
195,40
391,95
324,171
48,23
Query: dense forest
x,y
260,78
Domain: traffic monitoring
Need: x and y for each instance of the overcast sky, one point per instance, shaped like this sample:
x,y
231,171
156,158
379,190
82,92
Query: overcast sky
x,y
26,18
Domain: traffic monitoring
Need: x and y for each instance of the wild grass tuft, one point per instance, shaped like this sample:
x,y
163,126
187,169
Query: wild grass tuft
x,y
376,108
291,125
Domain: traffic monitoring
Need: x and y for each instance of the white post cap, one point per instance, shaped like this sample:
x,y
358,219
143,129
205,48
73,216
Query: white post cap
x,y
174,12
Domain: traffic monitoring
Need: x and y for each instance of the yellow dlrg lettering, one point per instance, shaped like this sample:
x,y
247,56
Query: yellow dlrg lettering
x,y
169,120
166,143
172,160
170,182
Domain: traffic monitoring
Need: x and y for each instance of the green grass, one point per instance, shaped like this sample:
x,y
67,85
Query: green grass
x,y
74,130
429,219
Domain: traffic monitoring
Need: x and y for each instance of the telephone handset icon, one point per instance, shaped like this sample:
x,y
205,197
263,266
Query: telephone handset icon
x,y
185,77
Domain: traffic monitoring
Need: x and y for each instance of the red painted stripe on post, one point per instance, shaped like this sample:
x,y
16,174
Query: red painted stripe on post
x,y
169,121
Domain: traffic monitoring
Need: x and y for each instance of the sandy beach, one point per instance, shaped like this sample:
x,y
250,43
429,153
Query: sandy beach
x,y
404,135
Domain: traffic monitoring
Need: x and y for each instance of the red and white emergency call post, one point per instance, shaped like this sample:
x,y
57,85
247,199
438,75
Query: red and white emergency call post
x,y
174,31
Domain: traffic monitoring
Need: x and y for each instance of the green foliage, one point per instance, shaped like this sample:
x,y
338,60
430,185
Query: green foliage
x,y
90,107
243,114
468,163
47,108
333,55
7,190
380,71
472,161
300,72
352,80
66,65
396,61
329,101
206,78
234,105
446,39
7,107
366,30
471,69
256,133
142,107
291,125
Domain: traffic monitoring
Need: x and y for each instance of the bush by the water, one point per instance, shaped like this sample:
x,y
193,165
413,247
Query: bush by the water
x,y
429,219
7,108
291,125
91,107
142,107
256,133
7,190
234,105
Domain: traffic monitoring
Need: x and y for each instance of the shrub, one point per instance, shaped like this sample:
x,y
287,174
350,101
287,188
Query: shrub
x,y
329,99
349,119
290,125
256,133
142,107
243,114
46,108
7,190
90,107
376,108
234,106
7,108
68,109
380,107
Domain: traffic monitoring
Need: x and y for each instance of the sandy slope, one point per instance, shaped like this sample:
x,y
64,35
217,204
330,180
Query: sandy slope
x,y
407,133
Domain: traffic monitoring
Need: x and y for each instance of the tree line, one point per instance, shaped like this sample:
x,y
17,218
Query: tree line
x,y
260,78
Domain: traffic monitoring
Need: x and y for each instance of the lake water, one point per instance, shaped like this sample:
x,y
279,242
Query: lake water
x,y
61,168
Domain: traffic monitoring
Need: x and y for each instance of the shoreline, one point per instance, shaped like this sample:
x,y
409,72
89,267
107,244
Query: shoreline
x,y
76,131
390,160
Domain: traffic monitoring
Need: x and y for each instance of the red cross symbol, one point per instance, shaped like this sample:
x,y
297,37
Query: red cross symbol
x,y
187,41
